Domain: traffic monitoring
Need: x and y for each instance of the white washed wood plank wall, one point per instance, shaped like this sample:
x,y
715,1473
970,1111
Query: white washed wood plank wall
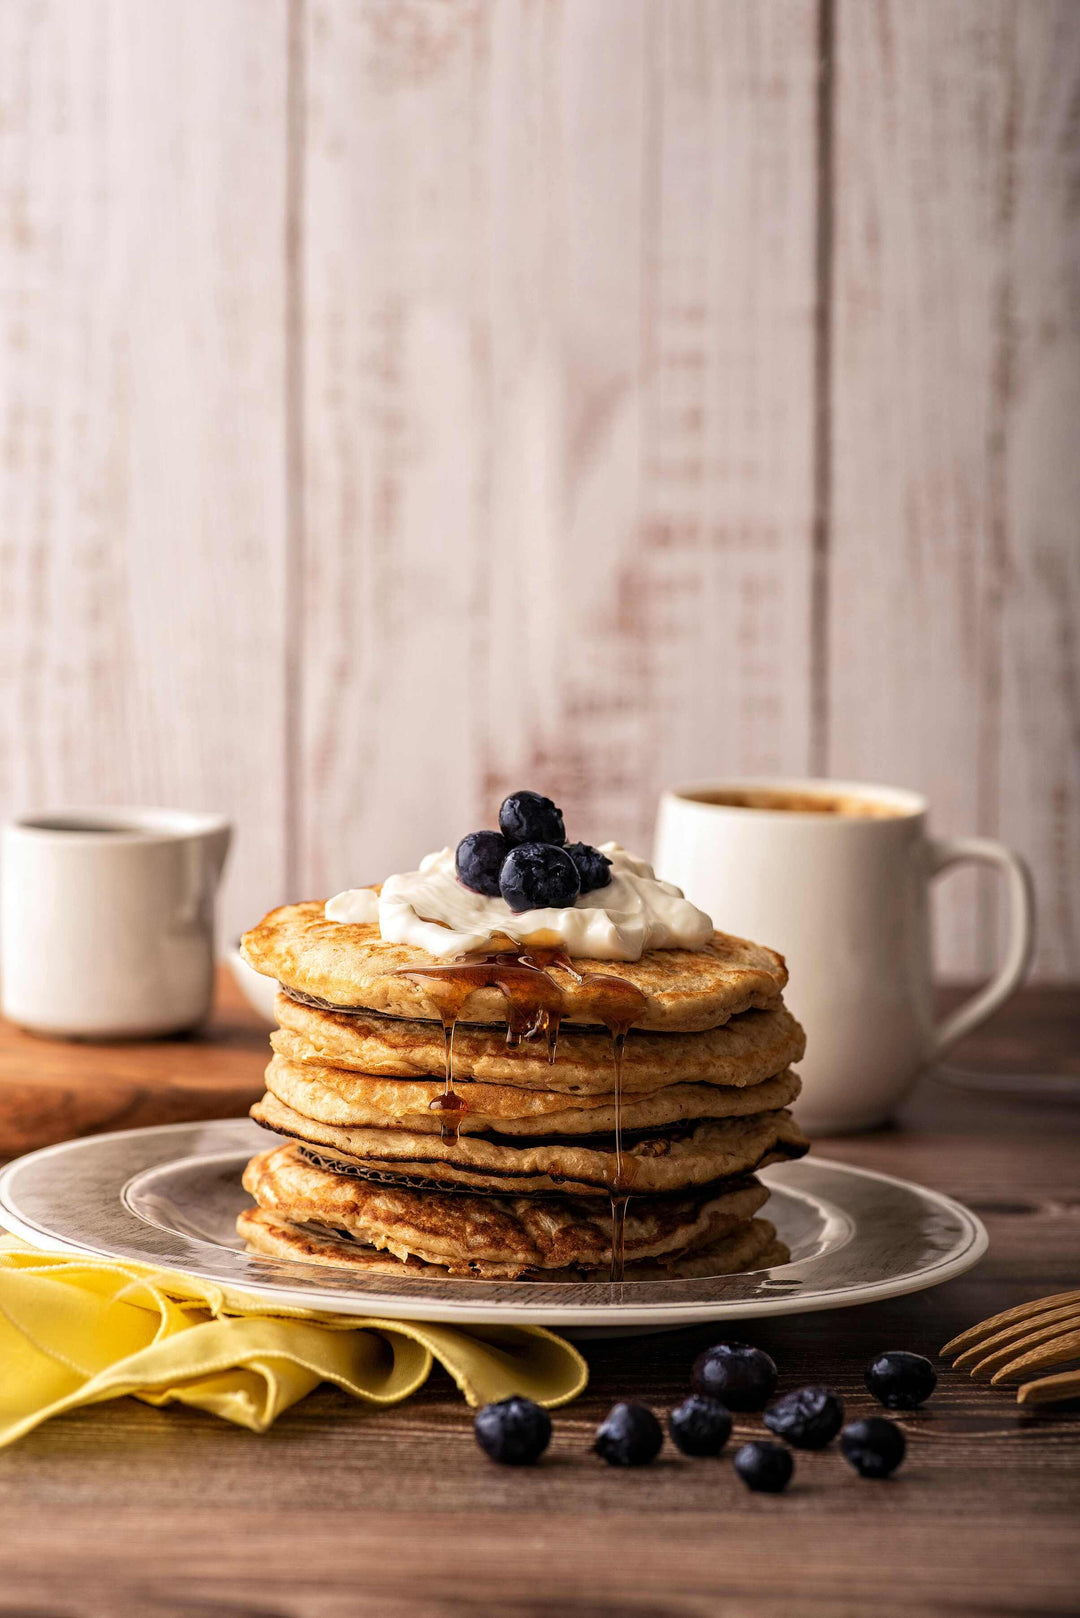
x,y
409,399
954,548
142,295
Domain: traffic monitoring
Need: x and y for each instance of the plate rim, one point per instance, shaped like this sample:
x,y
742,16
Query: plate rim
x,y
969,1250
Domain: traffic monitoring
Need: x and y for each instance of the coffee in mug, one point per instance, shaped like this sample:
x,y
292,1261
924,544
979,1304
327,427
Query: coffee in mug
x,y
802,803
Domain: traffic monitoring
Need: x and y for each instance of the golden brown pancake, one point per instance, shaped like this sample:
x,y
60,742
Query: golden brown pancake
x,y
344,964
332,1095
489,1236
750,1047
657,1164
752,1246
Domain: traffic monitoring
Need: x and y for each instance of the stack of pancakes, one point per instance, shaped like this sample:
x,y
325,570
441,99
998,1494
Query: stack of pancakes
x,y
528,1183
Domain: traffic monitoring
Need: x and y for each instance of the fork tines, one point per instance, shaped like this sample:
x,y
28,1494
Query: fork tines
x,y
1032,1337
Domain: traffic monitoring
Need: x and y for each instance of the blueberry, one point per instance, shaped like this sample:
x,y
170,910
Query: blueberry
x,y
700,1425
764,1467
535,876
515,1431
875,1447
809,1418
901,1381
593,868
741,1377
629,1435
479,860
526,817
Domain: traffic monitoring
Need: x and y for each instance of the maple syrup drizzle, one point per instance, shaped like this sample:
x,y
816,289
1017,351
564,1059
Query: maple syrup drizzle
x,y
535,1006
618,1235
607,994
450,1105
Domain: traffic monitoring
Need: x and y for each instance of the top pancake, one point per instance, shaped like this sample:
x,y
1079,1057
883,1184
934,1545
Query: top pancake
x,y
346,965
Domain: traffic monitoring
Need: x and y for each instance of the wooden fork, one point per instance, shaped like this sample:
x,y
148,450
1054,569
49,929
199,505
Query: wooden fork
x,y
1031,1337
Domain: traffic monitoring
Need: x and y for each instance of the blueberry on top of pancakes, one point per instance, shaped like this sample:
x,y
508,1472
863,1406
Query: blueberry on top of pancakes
x,y
479,860
529,817
593,868
536,876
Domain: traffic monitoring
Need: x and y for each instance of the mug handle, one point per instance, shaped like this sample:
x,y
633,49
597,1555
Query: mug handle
x,y
946,851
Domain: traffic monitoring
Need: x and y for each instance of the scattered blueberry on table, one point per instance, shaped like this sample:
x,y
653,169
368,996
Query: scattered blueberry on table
x,y
874,1447
514,1432
901,1381
701,1425
537,876
764,1467
741,1377
529,817
629,1435
809,1418
593,868
479,860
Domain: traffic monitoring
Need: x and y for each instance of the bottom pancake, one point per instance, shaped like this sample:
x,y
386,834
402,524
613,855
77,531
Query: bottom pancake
x,y
494,1237
753,1246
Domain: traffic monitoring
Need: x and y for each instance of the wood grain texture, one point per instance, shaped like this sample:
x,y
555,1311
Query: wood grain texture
x,y
558,443
1037,538
53,1090
395,223
405,402
565,673
954,564
727,482
339,1511
142,487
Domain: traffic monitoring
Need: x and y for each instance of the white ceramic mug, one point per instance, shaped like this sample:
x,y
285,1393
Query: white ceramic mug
x,y
107,921
841,890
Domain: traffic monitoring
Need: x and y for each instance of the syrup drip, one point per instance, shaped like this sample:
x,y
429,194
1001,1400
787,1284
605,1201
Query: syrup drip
x,y
535,1006
450,1105
452,1109
620,1191
618,1236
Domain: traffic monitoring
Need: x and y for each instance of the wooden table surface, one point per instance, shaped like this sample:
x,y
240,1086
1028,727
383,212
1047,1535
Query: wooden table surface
x,y
338,1511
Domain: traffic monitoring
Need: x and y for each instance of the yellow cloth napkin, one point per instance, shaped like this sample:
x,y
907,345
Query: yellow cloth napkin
x,y
76,1331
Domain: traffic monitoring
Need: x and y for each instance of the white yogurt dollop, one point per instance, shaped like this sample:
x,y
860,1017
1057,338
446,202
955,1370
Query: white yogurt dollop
x,y
431,909
355,904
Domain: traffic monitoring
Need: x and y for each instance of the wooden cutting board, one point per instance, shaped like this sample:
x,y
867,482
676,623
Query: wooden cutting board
x,y
51,1090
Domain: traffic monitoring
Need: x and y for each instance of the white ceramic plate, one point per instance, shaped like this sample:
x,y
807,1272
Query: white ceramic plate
x,y
169,1196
